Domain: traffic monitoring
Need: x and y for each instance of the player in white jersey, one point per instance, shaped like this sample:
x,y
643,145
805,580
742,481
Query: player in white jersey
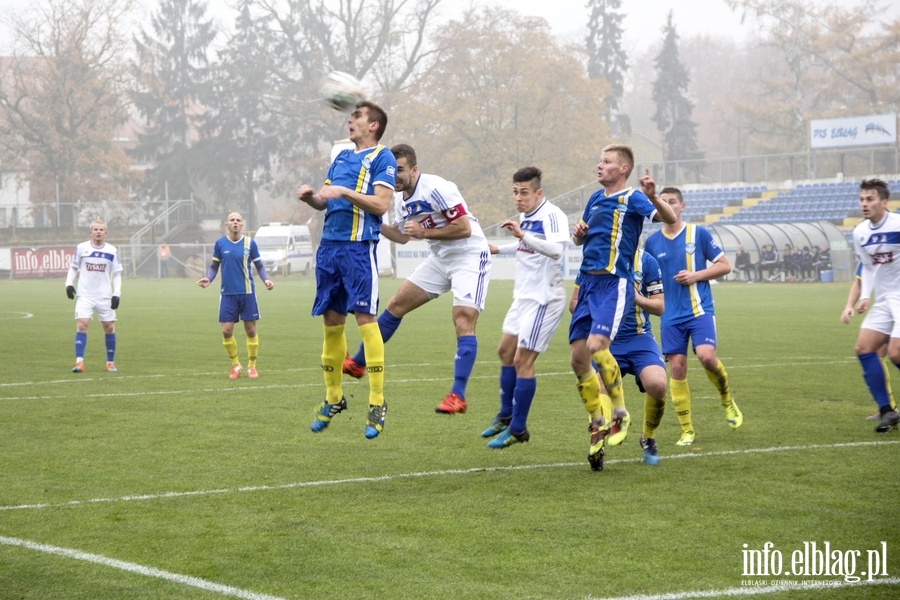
x,y
98,269
539,299
877,243
430,208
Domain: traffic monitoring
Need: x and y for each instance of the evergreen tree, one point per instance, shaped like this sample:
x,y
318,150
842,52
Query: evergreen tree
x,y
171,72
240,137
606,58
673,108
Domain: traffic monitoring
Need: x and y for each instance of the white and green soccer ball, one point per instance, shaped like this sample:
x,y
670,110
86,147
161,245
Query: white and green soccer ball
x,y
341,91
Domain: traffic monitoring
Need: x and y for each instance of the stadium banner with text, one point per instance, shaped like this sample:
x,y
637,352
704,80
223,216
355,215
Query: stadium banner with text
x,y
46,261
853,131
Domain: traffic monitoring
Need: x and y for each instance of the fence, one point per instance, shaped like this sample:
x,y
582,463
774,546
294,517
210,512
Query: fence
x,y
852,163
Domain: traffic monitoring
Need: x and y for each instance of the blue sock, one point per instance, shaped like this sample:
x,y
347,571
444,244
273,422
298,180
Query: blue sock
x,y
110,347
80,344
466,351
387,324
873,374
525,388
507,388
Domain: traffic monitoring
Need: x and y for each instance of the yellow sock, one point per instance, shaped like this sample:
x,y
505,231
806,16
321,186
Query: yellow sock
x,y
606,407
373,346
653,413
681,400
589,389
252,350
719,378
887,378
611,376
231,349
334,349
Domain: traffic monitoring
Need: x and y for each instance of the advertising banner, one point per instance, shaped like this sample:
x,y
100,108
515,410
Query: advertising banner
x,y
47,261
853,131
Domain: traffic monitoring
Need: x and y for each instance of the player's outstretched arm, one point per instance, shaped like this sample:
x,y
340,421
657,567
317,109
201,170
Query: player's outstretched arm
x,y
394,234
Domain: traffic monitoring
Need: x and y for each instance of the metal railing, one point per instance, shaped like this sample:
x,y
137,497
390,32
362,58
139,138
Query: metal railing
x,y
144,241
837,164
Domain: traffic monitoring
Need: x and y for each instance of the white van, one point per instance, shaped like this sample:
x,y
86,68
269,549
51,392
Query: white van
x,y
285,248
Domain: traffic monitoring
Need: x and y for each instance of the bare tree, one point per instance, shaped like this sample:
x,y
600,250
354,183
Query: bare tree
x,y
64,99
503,94
822,60
380,41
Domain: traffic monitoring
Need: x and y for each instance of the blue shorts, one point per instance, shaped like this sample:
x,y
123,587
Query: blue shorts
x,y
701,330
346,278
238,307
635,353
603,301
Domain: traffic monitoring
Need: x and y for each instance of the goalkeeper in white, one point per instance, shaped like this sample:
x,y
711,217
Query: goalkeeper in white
x,y
98,269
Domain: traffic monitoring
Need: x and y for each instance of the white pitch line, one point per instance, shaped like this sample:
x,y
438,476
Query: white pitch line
x,y
196,582
352,480
22,315
81,378
754,591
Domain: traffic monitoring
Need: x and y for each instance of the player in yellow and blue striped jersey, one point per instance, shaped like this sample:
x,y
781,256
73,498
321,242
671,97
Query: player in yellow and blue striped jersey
x,y
357,192
683,251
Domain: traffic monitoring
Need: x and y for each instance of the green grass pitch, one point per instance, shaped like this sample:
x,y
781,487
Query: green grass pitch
x,y
168,480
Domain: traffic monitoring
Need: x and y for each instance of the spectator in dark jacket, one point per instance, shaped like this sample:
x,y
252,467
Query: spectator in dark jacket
x,y
743,262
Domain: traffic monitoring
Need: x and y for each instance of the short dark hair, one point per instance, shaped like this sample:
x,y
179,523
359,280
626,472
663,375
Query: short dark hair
x,y
376,114
672,190
528,174
879,185
405,151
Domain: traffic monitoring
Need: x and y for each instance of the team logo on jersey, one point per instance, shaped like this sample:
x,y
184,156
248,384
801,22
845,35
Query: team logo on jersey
x,y
366,163
638,277
877,239
690,247
415,207
94,267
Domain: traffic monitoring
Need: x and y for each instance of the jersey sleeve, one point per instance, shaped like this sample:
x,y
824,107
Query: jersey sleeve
x,y
556,227
652,282
398,210
711,249
254,251
117,267
641,204
446,198
384,169
73,268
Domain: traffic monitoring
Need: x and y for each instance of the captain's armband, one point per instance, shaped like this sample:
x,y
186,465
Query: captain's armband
x,y
654,287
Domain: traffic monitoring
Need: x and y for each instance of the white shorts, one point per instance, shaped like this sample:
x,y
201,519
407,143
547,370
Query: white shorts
x,y
467,274
534,323
85,307
884,317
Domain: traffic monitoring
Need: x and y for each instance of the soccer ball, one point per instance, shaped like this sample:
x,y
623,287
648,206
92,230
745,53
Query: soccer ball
x,y
341,91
